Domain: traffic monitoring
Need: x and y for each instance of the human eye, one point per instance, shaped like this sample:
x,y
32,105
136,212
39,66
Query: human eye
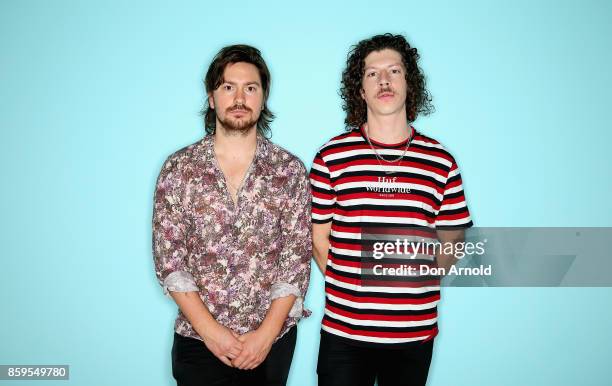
x,y
396,71
251,89
227,87
370,74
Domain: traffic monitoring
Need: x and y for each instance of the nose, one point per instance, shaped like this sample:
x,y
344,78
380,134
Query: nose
x,y
383,80
239,96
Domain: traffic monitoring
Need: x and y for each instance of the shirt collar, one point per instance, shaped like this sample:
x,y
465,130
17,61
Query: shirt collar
x,y
262,152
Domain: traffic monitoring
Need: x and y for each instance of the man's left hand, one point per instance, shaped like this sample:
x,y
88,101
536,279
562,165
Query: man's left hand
x,y
255,348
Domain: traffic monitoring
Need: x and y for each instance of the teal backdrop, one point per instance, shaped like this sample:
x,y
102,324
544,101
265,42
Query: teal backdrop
x,y
95,95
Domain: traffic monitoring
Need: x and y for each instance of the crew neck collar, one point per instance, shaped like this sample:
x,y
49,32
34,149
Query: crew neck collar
x,y
413,132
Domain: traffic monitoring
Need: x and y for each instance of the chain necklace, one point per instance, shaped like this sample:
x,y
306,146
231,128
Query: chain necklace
x,y
379,157
234,188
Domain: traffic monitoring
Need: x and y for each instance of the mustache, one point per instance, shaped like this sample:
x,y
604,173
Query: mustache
x,y
385,90
238,107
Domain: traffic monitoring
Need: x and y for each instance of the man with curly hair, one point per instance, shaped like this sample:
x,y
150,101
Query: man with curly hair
x,y
382,177
232,235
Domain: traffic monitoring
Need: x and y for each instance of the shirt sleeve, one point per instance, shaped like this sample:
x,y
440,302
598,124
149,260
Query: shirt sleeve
x,y
323,194
170,230
453,212
293,272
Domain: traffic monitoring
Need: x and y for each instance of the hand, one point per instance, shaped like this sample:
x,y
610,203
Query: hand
x,y
223,343
255,348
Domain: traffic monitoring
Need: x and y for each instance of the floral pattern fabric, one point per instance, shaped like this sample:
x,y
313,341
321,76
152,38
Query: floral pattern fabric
x,y
239,257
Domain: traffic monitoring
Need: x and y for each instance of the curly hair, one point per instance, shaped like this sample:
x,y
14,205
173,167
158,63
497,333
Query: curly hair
x,y
214,77
418,99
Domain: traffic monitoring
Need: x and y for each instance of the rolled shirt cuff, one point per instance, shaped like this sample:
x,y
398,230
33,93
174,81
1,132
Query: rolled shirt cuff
x,y
280,290
179,281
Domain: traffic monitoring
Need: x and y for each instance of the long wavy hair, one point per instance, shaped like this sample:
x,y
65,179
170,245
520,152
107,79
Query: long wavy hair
x,y
418,99
214,78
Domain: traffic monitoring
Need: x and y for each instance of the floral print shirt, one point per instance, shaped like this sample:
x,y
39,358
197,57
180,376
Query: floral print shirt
x,y
239,257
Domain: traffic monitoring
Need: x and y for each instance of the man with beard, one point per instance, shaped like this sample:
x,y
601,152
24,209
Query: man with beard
x,y
232,236
382,177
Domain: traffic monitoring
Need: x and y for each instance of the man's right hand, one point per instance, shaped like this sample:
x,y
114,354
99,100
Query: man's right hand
x,y
222,342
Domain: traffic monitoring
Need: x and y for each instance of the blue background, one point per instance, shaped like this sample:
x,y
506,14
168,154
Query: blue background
x,y
95,95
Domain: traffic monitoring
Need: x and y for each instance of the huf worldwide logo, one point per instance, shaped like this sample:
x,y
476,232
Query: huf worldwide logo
x,y
387,185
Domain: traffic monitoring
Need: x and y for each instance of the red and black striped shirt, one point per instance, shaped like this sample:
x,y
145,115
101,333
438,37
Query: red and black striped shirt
x,y
356,191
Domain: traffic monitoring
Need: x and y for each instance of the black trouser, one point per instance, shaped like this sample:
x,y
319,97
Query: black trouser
x,y
193,364
341,363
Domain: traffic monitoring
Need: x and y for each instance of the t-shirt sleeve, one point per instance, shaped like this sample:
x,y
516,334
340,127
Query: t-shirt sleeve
x,y
323,194
453,212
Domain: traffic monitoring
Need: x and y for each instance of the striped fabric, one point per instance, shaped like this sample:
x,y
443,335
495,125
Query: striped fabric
x,y
355,191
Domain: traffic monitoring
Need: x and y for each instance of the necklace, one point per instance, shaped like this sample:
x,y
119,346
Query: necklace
x,y
379,157
231,185
231,188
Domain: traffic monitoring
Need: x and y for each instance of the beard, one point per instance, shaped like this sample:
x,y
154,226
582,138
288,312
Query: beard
x,y
238,126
